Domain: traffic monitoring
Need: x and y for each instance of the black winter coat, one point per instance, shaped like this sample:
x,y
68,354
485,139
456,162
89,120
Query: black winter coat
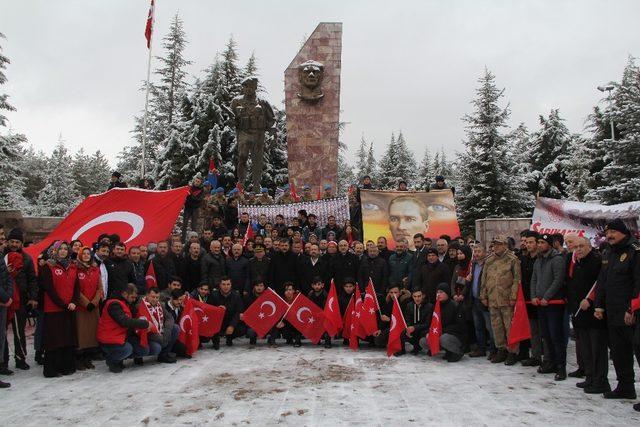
x,y
259,270
453,320
344,266
376,268
585,274
430,276
238,272
213,268
164,269
283,269
233,304
120,271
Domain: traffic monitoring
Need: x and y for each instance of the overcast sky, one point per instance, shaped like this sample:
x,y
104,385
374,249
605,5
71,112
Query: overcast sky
x,y
77,66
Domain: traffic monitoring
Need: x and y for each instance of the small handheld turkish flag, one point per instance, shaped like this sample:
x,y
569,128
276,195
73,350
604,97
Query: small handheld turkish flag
x,y
249,235
143,313
347,321
210,318
332,317
368,310
520,329
398,326
357,315
435,331
188,323
265,312
293,192
307,318
150,277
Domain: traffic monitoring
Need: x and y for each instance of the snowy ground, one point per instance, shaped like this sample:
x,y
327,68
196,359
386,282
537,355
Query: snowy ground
x,y
307,386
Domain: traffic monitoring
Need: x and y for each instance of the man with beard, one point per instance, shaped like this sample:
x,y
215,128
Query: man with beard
x,y
345,264
618,284
283,267
418,258
375,267
162,265
431,274
192,268
120,270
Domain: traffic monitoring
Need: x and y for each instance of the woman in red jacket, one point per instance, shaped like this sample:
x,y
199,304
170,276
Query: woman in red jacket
x,y
87,312
58,281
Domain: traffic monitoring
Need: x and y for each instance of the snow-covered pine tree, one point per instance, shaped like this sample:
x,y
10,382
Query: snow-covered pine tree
x,y
442,166
425,171
361,157
387,180
81,172
34,167
578,169
488,186
622,175
371,165
594,153
406,167
101,172
549,157
276,171
59,195
11,153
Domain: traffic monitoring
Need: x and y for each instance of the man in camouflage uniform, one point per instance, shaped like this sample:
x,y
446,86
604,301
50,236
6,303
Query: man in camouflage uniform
x,y
500,281
215,204
328,192
286,197
306,194
264,198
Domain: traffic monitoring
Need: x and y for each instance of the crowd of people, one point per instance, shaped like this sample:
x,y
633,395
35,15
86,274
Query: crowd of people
x,y
86,296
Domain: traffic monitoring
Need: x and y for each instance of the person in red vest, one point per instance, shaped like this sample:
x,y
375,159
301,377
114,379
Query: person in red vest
x,y
87,300
116,329
58,281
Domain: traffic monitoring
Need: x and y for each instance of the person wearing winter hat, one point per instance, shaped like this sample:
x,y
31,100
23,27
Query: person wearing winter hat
x,y
116,181
432,272
26,292
328,192
618,284
453,335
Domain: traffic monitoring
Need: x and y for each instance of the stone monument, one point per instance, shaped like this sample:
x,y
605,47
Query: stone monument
x,y
253,117
312,105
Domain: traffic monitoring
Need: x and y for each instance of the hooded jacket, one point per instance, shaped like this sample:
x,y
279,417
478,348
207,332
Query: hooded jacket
x,y
547,281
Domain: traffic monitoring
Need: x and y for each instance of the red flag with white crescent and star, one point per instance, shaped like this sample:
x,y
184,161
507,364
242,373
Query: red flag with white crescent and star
x,y
150,277
148,29
357,315
188,322
332,317
210,318
263,314
306,317
143,312
347,320
398,326
368,311
248,235
435,331
520,329
138,216
293,191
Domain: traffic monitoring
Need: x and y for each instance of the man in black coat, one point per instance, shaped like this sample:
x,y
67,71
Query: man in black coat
x,y
417,314
345,264
120,270
213,265
283,268
311,268
163,265
454,329
618,283
431,274
25,280
192,268
376,268
418,259
591,333
231,300
238,270
259,266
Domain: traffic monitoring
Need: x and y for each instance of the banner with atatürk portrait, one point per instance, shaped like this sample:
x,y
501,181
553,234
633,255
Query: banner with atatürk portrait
x,y
402,214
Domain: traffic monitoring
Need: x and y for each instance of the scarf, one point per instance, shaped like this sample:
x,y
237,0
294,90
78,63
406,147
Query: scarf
x,y
157,314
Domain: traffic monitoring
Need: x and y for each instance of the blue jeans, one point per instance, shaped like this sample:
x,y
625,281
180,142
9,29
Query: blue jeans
x,y
167,348
552,331
482,324
114,353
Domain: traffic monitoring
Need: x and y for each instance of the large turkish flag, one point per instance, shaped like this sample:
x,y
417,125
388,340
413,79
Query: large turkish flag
x,y
137,216
306,317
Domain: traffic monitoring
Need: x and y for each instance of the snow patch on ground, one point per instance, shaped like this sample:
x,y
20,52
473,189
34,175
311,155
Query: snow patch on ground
x,y
240,385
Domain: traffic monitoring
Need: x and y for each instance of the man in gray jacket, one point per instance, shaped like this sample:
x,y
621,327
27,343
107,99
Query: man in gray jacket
x,y
548,295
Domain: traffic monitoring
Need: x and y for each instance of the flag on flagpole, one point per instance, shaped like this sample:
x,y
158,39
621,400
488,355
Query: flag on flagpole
x,y
398,326
248,235
150,277
520,329
435,331
332,318
148,31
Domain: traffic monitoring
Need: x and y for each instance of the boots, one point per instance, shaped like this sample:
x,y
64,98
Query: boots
x,y
578,373
88,364
216,342
500,357
229,341
511,359
327,343
546,368
297,342
80,362
561,374
40,357
620,393
531,362
478,353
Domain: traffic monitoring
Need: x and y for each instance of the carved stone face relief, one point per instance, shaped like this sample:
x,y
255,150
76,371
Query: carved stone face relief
x,y
310,76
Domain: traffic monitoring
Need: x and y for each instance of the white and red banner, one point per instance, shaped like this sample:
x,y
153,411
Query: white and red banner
x,y
137,216
585,219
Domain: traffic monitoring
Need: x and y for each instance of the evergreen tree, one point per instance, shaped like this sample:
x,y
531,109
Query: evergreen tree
x,y
101,173
425,171
11,153
276,171
387,180
59,195
34,166
488,186
594,152
549,157
81,172
370,168
361,157
621,176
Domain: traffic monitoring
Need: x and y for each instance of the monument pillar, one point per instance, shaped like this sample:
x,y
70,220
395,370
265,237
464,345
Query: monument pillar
x,y
312,105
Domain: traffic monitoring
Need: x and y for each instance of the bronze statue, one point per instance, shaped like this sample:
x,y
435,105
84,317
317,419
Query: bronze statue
x,y
254,117
310,76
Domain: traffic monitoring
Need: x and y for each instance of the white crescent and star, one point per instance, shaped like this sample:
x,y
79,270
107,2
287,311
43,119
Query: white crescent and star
x,y
331,303
186,316
134,220
300,311
270,304
150,277
393,322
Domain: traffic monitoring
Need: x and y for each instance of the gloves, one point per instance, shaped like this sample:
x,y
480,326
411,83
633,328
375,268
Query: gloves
x,y
90,307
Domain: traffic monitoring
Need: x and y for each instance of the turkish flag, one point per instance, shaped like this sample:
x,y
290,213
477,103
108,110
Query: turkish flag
x,y
347,321
319,195
332,317
137,216
188,322
150,277
357,315
368,315
307,318
209,318
148,30
520,329
240,187
143,313
592,293
293,192
435,331
263,314
249,235
398,326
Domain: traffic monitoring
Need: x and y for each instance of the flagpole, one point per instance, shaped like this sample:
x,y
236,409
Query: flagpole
x,y
146,98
